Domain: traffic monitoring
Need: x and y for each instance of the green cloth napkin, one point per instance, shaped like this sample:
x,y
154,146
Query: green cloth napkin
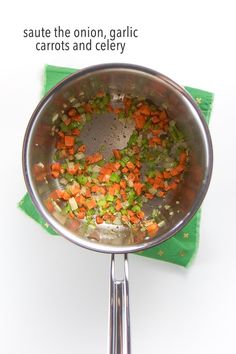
x,y
181,248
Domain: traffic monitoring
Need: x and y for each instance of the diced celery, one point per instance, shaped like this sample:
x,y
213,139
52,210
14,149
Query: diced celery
x,y
82,179
136,208
114,177
109,198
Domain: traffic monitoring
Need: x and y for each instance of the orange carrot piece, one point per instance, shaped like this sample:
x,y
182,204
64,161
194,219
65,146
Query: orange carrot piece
x,y
72,112
167,174
116,154
130,165
49,205
140,121
182,158
80,200
123,183
118,205
55,174
76,132
134,219
99,220
56,166
91,203
69,140
75,189
81,214
152,229
82,148
95,189
138,188
94,158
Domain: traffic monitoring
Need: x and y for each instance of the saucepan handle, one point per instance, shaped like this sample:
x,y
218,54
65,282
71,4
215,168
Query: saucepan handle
x,y
119,316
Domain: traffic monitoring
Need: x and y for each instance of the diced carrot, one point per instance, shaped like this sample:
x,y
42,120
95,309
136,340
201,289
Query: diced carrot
x,y
140,121
182,158
130,165
115,166
75,189
95,189
55,174
111,190
56,194
106,216
69,140
130,213
94,158
71,215
123,183
155,140
76,132
99,220
156,131
61,134
149,196
72,112
102,190
88,193
60,145
160,194
81,214
144,109
173,185
123,194
82,148
91,203
88,108
125,170
116,187
140,214
65,195
117,154
134,219
131,176
73,170
167,174
117,110
49,205
56,166
163,115
118,205
138,188
71,150
152,229
77,117
155,119
80,200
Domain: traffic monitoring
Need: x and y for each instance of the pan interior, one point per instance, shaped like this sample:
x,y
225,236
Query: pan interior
x,y
106,130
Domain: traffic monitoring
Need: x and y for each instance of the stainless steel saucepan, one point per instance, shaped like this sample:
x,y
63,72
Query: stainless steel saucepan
x,y
38,149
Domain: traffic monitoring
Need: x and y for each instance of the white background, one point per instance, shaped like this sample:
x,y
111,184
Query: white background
x,y
53,294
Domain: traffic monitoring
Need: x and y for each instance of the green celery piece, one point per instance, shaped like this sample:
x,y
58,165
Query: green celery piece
x,y
114,177
64,128
109,198
136,208
82,179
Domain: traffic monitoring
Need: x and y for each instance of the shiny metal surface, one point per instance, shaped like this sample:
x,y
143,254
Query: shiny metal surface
x,y
119,315
118,79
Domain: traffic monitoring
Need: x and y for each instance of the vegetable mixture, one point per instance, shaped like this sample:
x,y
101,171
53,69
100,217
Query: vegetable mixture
x,y
115,190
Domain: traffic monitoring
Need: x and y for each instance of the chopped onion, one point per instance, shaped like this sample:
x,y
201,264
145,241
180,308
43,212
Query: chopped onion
x,y
73,203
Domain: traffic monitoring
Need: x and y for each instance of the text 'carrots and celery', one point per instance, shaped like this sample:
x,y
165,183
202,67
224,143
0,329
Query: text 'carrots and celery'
x,y
59,38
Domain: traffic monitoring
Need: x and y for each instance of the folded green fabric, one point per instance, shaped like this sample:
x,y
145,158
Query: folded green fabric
x,y
181,248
